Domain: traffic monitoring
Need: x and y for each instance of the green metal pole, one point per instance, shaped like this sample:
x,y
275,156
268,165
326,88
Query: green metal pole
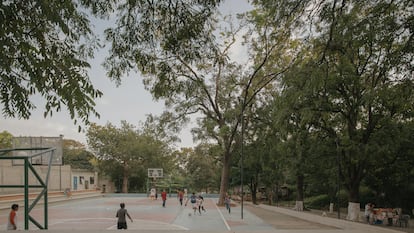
x,y
169,192
46,208
147,191
26,194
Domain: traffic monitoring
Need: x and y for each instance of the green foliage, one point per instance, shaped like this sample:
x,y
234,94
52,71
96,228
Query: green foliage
x,y
183,49
6,140
140,37
45,48
318,202
124,152
346,99
347,88
202,169
76,155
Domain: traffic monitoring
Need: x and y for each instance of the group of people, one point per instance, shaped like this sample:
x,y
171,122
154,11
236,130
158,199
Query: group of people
x,y
196,203
368,212
377,216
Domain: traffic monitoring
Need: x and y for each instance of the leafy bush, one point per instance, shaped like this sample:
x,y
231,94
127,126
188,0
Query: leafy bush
x,y
318,202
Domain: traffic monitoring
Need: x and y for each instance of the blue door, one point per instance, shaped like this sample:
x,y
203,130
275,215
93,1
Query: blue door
x,y
75,183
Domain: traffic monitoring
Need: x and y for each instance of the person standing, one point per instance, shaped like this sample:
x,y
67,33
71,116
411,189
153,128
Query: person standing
x,y
121,215
201,204
227,202
181,196
193,200
164,197
12,220
367,212
152,193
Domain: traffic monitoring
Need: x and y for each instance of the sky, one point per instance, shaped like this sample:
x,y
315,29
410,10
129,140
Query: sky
x,y
129,102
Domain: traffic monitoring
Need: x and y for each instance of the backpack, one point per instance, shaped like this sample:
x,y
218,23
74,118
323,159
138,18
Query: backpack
x,y
193,199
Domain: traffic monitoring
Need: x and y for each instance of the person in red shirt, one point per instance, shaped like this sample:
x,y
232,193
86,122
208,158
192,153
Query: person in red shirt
x,y
12,221
164,197
181,196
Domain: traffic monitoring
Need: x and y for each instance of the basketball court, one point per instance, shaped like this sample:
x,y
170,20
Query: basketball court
x,y
97,214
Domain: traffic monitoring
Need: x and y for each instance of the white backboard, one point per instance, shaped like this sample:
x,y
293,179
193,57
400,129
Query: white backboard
x,y
155,172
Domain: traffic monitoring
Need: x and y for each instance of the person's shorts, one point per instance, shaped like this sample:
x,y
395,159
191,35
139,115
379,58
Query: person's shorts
x,y
122,225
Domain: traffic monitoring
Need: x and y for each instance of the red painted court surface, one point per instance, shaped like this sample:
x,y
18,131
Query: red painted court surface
x,y
93,215
99,214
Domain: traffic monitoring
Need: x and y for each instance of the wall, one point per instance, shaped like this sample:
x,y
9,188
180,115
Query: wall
x,y
84,180
108,184
59,177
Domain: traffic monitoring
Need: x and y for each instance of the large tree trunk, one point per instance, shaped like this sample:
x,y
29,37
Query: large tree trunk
x,y
353,211
353,198
225,174
299,198
253,189
125,181
275,197
351,174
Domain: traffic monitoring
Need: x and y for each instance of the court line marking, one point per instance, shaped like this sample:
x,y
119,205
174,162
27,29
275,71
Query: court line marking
x,y
222,217
112,227
82,220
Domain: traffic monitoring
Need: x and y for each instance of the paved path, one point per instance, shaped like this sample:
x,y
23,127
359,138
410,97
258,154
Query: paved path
x,y
98,214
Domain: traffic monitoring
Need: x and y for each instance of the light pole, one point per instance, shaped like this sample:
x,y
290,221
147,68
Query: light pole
x,y
242,103
338,160
241,159
169,192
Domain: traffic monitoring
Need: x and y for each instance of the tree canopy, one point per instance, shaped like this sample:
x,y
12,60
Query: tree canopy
x,y
124,152
322,80
45,50
46,47
76,155
354,81
6,140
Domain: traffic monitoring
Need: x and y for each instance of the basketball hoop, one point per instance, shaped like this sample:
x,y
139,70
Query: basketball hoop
x,y
155,173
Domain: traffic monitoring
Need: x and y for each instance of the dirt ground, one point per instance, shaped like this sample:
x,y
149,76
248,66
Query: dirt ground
x,y
280,221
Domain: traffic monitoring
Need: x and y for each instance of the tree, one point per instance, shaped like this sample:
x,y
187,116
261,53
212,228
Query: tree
x,y
361,75
196,75
76,155
390,177
203,168
6,140
124,152
45,47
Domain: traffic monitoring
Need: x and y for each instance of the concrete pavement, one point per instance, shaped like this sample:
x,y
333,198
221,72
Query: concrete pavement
x,y
97,214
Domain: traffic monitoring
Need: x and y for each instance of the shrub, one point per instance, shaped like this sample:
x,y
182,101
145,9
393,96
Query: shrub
x,y
318,202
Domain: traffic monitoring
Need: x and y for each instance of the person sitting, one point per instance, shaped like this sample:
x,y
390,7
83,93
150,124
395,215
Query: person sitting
x,y
379,217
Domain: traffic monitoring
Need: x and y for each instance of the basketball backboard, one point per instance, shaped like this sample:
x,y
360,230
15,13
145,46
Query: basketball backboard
x,y
155,172
38,142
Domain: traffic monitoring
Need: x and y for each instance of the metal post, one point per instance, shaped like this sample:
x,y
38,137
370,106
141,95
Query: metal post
x,y
241,161
169,192
338,160
46,210
26,193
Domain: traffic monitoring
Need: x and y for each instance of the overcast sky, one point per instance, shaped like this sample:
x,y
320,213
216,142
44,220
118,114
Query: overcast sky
x,y
130,102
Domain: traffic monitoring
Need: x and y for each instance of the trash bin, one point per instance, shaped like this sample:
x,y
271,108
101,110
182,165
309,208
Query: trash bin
x,y
103,188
